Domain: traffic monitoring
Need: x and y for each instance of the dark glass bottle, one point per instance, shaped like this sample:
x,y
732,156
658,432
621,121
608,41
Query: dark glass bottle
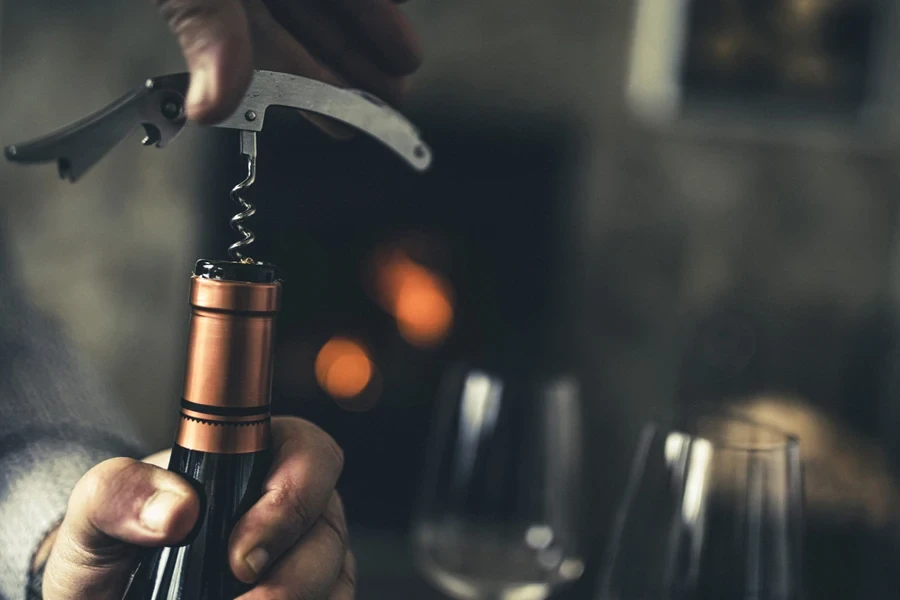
x,y
223,441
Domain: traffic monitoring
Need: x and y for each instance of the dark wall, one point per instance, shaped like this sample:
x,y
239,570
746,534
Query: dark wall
x,y
486,217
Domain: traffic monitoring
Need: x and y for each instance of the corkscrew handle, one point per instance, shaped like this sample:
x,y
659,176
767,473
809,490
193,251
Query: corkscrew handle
x,y
158,106
355,108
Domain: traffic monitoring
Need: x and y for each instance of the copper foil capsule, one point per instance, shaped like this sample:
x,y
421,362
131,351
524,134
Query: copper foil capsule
x,y
225,408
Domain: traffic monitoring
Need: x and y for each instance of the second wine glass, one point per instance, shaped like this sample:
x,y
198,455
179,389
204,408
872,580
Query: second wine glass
x,y
712,511
498,513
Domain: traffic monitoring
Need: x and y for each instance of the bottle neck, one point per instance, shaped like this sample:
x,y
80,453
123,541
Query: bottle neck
x,y
225,408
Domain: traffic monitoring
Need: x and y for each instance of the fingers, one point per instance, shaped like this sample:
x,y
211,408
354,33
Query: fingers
x,y
359,70
116,504
221,38
313,568
327,35
300,486
215,38
389,33
277,50
345,589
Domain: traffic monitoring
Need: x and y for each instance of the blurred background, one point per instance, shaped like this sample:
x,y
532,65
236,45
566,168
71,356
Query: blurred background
x,y
675,207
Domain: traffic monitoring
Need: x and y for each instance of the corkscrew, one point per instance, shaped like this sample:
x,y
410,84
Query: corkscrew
x,y
158,108
248,149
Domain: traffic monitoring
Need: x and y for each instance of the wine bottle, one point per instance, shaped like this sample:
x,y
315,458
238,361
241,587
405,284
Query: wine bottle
x,y
222,444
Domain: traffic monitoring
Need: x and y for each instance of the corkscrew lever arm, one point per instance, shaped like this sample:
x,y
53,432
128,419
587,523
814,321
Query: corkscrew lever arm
x,y
355,108
158,106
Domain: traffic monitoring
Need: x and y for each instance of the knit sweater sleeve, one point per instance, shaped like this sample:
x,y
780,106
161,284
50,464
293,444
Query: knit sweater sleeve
x,y
55,424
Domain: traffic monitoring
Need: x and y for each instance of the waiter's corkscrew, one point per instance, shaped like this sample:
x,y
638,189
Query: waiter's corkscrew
x,y
158,106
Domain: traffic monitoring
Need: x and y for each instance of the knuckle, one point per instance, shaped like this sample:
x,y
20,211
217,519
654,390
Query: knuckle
x,y
299,516
183,13
348,573
334,515
296,430
335,528
112,492
200,25
331,448
288,430
130,475
336,451
131,485
294,509
97,481
305,590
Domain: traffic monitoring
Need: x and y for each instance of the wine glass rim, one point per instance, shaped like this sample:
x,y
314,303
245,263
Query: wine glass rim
x,y
770,439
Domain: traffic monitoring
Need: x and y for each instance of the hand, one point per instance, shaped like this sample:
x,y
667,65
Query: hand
x,y
364,43
293,541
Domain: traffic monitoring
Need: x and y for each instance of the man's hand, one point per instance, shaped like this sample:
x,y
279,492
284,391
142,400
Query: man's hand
x,y
293,541
364,43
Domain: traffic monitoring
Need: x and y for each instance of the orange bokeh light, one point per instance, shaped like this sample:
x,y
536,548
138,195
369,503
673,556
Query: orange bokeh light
x,y
343,368
420,300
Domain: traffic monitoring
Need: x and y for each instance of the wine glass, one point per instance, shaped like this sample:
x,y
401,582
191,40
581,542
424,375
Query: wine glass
x,y
497,515
712,511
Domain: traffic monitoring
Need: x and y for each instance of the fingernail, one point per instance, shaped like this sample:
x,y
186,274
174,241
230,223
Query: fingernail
x,y
158,509
256,559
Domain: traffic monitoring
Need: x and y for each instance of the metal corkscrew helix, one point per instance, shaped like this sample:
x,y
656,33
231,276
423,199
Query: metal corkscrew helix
x,y
158,107
248,149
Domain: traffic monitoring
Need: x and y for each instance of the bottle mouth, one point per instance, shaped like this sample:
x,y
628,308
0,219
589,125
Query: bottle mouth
x,y
236,287
224,270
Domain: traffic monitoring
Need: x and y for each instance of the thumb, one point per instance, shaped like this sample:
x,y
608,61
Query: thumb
x,y
215,39
119,504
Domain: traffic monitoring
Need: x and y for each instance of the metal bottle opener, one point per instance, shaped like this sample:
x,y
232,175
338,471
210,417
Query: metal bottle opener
x,y
158,107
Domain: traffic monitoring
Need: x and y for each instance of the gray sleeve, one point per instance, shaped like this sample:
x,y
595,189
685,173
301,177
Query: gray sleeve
x,y
55,424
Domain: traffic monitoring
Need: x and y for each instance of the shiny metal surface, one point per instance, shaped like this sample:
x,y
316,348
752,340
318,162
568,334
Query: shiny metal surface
x,y
228,378
235,296
356,108
227,438
248,148
158,106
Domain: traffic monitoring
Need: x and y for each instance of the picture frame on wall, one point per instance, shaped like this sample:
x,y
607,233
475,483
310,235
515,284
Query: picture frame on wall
x,y
800,70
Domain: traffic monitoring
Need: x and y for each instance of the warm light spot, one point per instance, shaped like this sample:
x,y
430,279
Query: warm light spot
x,y
423,312
420,300
343,368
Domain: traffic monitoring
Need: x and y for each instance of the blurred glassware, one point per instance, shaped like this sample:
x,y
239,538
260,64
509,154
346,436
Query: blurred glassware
x,y
712,510
498,513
